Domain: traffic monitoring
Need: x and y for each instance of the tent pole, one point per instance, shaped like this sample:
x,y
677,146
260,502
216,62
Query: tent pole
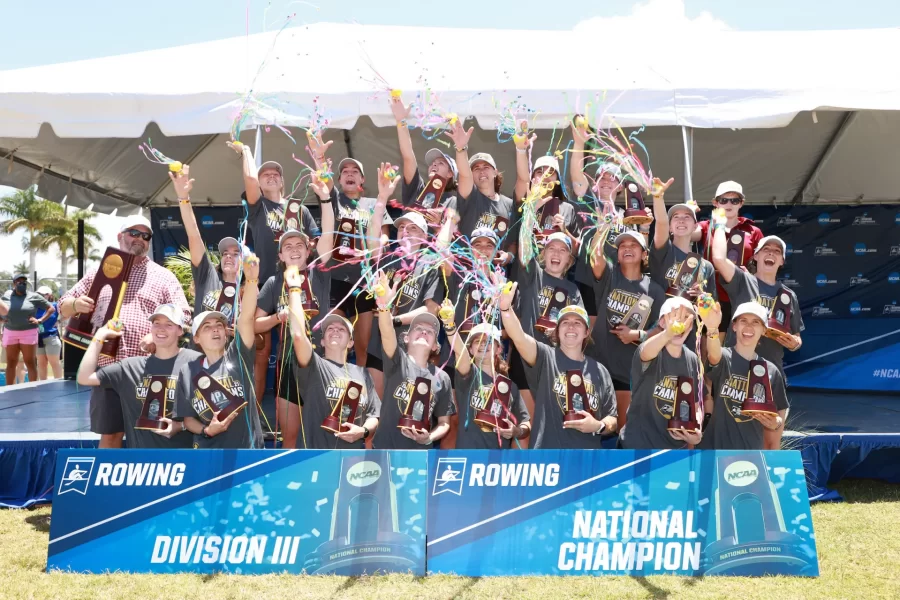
x,y
258,147
825,156
687,136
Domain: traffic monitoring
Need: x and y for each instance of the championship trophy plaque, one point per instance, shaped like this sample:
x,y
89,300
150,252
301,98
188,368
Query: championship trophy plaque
x,y
292,216
217,397
635,210
637,317
365,534
114,270
779,323
345,410
472,307
735,248
498,404
345,240
547,321
686,277
501,226
576,395
684,413
156,404
417,414
225,303
759,391
432,193
750,526
548,211
309,301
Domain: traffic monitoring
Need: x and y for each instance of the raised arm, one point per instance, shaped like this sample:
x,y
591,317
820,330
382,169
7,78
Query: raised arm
x,y
87,370
445,239
384,298
183,185
576,164
326,239
525,344
463,362
720,247
461,138
401,114
249,295
712,320
299,332
386,187
598,260
248,167
661,232
523,170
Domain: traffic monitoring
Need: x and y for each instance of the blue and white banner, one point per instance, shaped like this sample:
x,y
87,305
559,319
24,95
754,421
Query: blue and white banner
x,y
240,511
574,512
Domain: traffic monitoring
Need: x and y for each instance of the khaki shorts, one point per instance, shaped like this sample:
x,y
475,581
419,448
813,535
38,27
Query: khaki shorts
x,y
50,346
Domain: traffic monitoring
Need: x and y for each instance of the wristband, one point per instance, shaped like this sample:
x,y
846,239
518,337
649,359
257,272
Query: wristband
x,y
463,149
712,333
642,336
365,432
253,281
601,430
326,201
184,200
294,288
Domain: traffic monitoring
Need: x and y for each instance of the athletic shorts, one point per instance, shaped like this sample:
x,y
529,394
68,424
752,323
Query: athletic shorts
x,y
517,369
351,304
621,386
106,411
27,337
50,346
727,311
288,387
374,362
588,297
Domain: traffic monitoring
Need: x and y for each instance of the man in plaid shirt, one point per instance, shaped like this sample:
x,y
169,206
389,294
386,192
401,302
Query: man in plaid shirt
x,y
149,285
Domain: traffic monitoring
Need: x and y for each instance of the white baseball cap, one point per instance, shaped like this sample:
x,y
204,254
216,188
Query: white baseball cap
x,y
547,161
43,290
751,308
558,236
729,186
483,157
169,311
673,303
415,218
634,235
347,161
771,238
484,329
207,314
133,221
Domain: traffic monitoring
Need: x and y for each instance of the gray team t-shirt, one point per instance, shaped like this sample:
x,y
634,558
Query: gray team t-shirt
x,y
21,308
653,393
583,273
361,212
616,295
537,289
473,398
412,191
234,372
323,383
728,429
131,379
547,381
745,287
273,296
400,373
266,222
208,289
480,211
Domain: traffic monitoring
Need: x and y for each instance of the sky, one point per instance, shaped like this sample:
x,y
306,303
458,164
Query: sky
x,y
54,31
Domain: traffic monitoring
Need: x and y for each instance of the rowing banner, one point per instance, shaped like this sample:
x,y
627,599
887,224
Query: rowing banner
x,y
574,512
239,511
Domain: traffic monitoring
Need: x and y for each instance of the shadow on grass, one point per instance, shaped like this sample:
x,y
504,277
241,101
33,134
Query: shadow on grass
x,y
467,585
348,583
867,491
655,592
39,522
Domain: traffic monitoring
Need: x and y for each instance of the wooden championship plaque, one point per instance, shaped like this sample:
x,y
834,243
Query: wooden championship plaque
x,y
686,277
471,307
345,240
501,226
498,404
759,391
417,414
431,194
735,251
114,270
684,412
225,303
217,397
547,321
576,396
637,317
293,219
308,299
345,410
548,211
156,404
635,209
779,323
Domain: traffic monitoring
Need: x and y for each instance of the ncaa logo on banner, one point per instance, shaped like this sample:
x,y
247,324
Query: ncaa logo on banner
x,y
897,219
860,249
170,251
822,280
741,473
789,281
859,279
857,308
789,250
826,219
76,475
894,277
891,309
449,476
207,221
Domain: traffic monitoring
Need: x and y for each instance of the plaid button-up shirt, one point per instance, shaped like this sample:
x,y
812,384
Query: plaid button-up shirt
x,y
149,285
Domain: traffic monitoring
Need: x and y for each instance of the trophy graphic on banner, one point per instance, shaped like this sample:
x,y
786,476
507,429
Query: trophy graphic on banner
x,y
365,534
576,395
345,410
684,413
217,397
156,404
637,317
750,530
225,303
779,322
759,391
417,414
635,210
547,321
498,404
735,248
686,277
345,240
114,270
432,193
292,216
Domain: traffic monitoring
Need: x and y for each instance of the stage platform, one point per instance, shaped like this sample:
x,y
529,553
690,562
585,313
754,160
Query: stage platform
x,y
839,434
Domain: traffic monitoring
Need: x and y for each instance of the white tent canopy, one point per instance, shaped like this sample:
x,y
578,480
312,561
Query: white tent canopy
x,y
794,116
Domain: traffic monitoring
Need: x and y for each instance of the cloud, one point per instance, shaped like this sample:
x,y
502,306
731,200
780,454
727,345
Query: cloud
x,y
661,18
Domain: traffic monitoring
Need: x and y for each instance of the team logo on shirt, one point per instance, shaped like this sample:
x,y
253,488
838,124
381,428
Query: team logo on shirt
x,y
217,397
490,220
546,294
211,302
733,392
767,301
360,216
664,395
142,390
275,219
618,303
561,389
335,389
410,287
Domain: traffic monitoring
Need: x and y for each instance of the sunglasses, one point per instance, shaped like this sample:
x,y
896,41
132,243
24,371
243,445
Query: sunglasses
x,y
137,233
734,201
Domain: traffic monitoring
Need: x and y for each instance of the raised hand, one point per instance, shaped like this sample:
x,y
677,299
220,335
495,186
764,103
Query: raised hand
x,y
459,135
182,182
658,188
251,267
319,187
398,109
388,178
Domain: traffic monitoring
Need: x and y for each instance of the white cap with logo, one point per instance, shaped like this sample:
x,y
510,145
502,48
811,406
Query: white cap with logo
x,y
202,317
751,308
774,239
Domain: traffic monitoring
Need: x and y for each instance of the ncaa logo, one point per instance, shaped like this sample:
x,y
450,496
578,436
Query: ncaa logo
x,y
749,217
449,475
824,219
821,280
894,277
364,473
897,219
207,221
76,475
170,251
860,248
855,308
741,473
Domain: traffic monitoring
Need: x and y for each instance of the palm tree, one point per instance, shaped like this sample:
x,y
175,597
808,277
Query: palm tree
x,y
21,268
180,265
65,238
24,211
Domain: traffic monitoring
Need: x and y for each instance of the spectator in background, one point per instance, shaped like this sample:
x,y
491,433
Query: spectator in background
x,y
49,344
22,323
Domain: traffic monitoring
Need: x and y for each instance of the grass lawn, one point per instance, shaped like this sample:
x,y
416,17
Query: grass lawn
x,y
858,543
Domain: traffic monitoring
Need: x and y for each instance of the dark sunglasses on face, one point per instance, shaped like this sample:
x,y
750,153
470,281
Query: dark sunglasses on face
x,y
734,201
137,233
